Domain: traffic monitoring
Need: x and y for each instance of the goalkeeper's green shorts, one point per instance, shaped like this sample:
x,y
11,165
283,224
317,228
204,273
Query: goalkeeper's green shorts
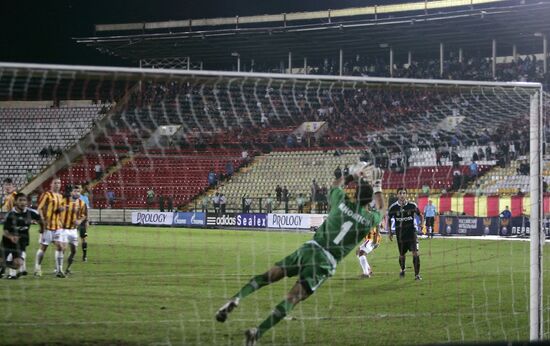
x,y
313,265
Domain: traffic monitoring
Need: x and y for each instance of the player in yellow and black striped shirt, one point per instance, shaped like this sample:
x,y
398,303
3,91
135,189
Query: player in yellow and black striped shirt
x,y
74,215
9,195
51,206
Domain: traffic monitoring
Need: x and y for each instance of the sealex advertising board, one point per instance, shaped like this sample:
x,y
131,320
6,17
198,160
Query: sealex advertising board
x,y
237,220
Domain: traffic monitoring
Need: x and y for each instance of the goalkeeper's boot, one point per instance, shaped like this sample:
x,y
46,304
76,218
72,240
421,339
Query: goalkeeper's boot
x,y
251,336
418,277
224,311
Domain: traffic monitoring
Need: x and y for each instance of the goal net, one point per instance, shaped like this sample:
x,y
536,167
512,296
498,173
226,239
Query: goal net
x,y
200,150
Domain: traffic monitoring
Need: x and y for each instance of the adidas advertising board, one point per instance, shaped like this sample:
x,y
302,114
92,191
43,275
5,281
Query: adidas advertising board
x,y
152,218
237,220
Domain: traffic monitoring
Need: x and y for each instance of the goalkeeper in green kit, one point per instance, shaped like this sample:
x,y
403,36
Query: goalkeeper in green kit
x,y
349,221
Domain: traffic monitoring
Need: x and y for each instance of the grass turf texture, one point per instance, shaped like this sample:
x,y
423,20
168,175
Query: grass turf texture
x,y
162,286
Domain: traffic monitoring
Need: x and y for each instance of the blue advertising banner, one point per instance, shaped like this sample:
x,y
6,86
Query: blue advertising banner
x,y
189,219
463,225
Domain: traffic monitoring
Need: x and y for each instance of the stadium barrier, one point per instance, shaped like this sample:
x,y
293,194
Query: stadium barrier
x,y
444,225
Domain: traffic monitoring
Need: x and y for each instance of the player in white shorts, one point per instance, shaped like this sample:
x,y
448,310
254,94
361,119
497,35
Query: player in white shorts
x,y
75,214
50,207
371,242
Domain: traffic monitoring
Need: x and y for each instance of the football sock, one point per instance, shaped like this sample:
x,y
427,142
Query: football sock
x,y
402,262
70,259
254,284
39,257
84,250
416,263
59,261
364,264
12,272
277,315
23,267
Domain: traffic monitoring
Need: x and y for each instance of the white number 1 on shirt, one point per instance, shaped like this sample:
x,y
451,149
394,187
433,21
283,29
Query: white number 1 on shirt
x,y
346,226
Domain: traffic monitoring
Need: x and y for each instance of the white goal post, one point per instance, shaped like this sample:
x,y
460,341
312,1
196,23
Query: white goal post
x,y
535,91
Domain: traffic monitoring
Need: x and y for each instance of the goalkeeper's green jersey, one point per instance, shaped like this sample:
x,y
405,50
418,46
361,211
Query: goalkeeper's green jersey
x,y
346,225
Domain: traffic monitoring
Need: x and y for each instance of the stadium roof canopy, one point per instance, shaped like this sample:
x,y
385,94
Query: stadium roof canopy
x,y
370,31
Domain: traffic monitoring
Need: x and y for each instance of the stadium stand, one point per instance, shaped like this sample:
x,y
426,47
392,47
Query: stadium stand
x,y
33,134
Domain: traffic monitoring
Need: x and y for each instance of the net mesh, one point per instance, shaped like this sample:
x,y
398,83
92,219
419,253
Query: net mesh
x,y
186,136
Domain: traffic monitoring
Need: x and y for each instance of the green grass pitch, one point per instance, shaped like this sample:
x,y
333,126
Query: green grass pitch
x,y
162,286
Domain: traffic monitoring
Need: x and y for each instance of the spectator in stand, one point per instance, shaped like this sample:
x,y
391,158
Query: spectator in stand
x,y
111,198
338,171
229,169
300,201
488,153
457,180
150,198
315,190
438,157
29,175
216,203
324,199
247,204
212,180
170,205
455,158
161,203
268,204
523,168
245,157
223,203
345,171
474,170
204,203
286,194
279,193
98,171
506,213
480,154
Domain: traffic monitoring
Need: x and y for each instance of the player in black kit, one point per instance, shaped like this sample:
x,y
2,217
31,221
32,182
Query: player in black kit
x,y
401,216
15,238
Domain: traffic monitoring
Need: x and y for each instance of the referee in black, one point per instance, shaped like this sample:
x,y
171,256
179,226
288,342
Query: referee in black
x,y
401,216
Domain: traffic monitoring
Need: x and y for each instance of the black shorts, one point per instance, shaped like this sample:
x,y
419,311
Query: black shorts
x,y
430,222
7,247
407,244
83,230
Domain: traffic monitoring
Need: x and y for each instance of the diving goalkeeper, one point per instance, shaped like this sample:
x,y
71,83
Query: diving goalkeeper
x,y
349,221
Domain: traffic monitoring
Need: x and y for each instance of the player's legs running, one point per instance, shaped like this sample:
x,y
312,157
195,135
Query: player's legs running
x,y
402,251
416,260
365,248
45,240
72,241
82,229
59,256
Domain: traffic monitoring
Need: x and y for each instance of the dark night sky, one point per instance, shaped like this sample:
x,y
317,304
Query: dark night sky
x,y
41,31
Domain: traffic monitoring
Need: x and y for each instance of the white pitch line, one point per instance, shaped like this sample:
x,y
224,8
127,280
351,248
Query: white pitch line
x,y
318,318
